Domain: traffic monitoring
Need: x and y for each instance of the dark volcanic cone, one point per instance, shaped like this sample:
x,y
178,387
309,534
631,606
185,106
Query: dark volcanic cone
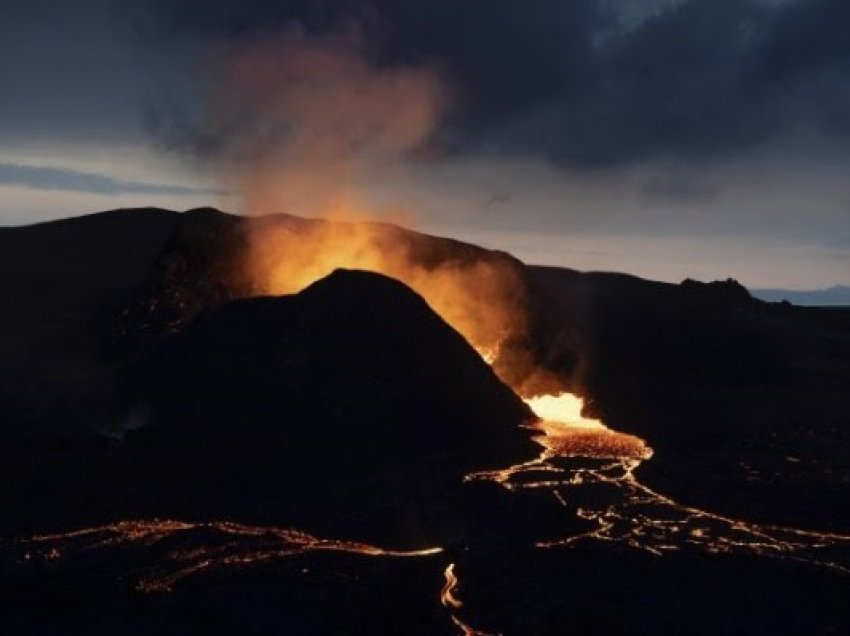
x,y
347,404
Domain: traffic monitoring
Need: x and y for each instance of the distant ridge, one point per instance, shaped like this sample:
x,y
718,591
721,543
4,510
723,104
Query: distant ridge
x,y
837,295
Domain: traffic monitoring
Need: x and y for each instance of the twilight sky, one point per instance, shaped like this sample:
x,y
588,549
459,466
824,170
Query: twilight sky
x,y
668,138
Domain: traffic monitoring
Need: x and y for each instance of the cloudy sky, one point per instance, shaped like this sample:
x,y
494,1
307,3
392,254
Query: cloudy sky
x,y
668,138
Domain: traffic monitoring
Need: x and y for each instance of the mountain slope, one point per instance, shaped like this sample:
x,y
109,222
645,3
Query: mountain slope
x,y
348,399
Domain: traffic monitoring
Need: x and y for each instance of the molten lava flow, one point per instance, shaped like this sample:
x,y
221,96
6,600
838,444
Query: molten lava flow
x,y
450,601
581,459
564,408
206,546
568,433
447,596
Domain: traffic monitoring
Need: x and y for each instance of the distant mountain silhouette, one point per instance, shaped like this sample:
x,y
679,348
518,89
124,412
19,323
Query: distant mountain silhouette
x,y
835,296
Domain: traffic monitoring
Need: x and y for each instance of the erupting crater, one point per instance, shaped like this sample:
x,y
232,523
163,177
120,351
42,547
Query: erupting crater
x,y
568,433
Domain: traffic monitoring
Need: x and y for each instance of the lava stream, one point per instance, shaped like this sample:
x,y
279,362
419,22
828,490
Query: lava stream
x,y
213,545
578,452
449,600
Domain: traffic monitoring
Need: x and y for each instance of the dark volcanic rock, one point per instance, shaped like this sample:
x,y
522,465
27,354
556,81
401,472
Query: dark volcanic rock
x,y
745,402
88,292
354,346
61,279
84,292
351,399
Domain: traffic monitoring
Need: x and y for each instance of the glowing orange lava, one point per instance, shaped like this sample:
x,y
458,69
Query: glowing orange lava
x,y
216,545
563,408
447,596
450,601
482,299
568,433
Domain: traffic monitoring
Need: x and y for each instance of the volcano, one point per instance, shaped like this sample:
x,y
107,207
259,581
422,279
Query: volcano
x,y
351,398
187,414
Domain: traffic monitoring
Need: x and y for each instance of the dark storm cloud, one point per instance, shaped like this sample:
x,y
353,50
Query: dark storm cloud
x,y
60,179
571,80
566,80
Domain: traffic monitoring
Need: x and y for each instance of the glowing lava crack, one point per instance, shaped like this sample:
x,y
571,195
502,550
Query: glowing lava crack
x,y
578,458
217,545
578,452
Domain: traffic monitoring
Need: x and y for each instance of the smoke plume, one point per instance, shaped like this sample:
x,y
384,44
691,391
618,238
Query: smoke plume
x,y
321,122
316,118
